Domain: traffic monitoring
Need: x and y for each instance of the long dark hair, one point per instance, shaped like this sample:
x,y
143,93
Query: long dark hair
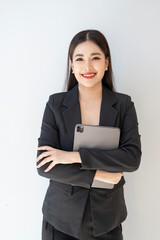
x,y
98,38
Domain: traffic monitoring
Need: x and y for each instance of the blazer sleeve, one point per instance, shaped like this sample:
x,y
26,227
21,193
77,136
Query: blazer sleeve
x,y
66,173
124,159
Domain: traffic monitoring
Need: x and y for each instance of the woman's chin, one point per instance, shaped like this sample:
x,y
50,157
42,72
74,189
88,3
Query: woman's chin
x,y
89,84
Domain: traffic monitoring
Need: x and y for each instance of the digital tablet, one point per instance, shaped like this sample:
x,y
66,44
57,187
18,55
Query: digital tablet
x,y
95,136
99,137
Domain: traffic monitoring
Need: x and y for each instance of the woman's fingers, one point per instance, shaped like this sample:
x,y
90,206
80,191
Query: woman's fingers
x,y
59,156
46,160
44,154
50,166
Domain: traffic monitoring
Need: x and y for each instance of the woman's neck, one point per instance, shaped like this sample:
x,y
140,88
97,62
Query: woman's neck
x,y
90,93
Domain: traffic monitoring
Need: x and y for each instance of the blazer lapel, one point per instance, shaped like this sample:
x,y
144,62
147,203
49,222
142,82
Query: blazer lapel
x,y
72,112
108,113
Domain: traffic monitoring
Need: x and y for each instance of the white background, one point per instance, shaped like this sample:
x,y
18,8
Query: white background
x,y
34,40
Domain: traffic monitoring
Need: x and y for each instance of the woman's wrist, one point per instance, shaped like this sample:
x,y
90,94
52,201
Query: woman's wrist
x,y
75,157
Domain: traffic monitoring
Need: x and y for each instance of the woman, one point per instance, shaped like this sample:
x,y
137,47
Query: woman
x,y
72,208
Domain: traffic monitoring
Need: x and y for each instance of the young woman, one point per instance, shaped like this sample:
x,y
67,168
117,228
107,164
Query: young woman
x,y
72,208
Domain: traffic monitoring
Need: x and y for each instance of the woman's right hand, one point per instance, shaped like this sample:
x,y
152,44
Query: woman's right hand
x,y
108,177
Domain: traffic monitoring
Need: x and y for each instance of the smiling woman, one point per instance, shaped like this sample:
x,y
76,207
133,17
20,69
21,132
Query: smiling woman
x,y
73,208
86,66
79,56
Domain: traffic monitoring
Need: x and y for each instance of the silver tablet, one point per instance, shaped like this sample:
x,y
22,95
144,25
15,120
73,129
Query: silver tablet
x,y
95,136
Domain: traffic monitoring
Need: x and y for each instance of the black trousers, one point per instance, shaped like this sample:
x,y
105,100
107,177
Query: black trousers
x,y
49,232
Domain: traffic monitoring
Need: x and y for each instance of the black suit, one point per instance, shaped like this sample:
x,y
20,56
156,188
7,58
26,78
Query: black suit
x,y
70,184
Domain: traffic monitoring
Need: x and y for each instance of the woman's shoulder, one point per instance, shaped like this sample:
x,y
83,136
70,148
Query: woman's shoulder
x,y
116,94
57,98
124,100
121,96
57,95
64,97
121,100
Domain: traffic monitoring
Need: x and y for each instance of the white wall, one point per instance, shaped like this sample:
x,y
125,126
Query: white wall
x,y
34,40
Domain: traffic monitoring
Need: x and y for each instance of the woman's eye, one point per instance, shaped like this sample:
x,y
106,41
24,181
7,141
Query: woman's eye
x,y
96,58
78,59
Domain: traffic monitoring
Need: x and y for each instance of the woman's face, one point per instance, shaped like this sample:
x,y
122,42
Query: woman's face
x,y
88,59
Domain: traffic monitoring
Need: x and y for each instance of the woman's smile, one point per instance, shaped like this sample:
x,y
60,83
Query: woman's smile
x,y
88,75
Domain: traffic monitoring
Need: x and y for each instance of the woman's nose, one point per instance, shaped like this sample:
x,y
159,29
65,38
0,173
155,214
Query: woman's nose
x,y
88,65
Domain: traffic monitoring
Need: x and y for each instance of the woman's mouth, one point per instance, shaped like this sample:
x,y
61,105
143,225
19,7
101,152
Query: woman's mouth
x,y
88,75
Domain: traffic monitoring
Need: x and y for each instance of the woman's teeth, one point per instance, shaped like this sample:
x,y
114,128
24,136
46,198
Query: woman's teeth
x,y
89,75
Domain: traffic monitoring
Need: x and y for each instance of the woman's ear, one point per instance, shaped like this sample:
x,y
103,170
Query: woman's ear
x,y
107,62
72,65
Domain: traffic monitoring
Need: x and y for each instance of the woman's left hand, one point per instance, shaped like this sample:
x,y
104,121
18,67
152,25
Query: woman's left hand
x,y
57,156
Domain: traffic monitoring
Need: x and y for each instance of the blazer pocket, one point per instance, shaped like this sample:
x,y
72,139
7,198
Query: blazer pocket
x,y
63,187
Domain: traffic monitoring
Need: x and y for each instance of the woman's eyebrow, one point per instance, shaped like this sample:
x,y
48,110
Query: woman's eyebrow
x,y
96,53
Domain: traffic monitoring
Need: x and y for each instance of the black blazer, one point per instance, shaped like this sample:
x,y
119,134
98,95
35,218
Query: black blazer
x,y
70,184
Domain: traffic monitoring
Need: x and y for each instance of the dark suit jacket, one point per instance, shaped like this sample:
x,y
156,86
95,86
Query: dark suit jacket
x,y
70,184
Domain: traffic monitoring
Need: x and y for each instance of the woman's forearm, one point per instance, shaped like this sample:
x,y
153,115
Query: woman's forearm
x,y
100,174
